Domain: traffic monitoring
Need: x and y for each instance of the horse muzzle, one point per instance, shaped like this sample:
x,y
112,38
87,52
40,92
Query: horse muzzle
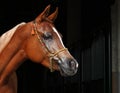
x,y
68,67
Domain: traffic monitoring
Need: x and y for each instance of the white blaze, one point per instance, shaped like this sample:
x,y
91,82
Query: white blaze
x,y
58,36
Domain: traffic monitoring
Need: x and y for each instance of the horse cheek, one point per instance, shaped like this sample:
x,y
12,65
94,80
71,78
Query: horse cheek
x,y
33,52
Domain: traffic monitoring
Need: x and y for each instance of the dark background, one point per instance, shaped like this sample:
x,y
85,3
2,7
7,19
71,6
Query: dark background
x,y
86,29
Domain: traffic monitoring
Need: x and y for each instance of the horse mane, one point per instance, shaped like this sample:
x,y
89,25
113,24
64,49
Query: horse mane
x,y
6,37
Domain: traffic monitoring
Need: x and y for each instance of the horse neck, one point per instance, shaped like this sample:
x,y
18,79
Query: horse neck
x,y
13,54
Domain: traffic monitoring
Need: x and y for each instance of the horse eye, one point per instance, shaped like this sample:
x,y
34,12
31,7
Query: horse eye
x,y
47,36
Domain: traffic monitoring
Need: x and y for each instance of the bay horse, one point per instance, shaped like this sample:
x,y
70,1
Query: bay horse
x,y
39,41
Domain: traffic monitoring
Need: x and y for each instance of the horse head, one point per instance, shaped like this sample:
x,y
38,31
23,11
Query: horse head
x,y
45,45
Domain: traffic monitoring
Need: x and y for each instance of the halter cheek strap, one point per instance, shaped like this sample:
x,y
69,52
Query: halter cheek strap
x,y
50,54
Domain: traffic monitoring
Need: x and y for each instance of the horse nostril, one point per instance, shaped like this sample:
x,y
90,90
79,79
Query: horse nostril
x,y
72,64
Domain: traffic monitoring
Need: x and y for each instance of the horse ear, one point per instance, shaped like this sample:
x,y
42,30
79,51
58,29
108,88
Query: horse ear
x,y
53,16
44,14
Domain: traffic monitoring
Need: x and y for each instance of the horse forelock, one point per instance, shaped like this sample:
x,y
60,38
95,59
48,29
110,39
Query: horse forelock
x,y
6,37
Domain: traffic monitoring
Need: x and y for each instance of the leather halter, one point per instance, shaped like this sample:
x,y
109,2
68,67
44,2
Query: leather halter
x,y
51,55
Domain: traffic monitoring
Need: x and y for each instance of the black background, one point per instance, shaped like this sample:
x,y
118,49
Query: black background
x,y
89,25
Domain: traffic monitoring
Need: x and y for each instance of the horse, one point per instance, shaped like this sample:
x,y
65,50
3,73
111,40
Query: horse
x,y
38,41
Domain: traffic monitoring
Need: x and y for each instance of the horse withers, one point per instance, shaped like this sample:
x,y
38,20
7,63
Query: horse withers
x,y
40,42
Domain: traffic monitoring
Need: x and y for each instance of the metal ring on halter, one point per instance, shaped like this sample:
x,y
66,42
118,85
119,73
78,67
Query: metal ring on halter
x,y
53,55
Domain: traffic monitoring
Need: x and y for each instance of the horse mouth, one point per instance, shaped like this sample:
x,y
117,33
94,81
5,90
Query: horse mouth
x,y
67,71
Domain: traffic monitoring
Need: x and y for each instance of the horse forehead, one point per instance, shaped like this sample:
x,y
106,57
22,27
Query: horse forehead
x,y
48,27
52,28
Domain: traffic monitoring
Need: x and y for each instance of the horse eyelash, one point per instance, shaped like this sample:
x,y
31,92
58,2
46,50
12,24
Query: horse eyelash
x,y
45,36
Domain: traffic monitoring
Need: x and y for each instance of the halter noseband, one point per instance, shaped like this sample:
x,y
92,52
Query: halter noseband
x,y
50,54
